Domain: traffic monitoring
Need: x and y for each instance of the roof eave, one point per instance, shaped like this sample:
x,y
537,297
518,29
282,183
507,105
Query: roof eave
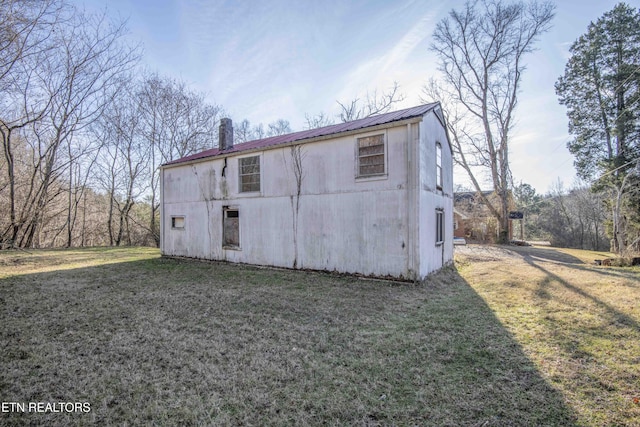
x,y
374,128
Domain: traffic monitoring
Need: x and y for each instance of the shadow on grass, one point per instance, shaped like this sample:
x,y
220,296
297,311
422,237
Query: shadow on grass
x,y
595,343
617,272
532,254
546,254
615,315
171,342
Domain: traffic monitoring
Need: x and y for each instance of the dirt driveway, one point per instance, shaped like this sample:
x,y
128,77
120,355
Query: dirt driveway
x,y
512,253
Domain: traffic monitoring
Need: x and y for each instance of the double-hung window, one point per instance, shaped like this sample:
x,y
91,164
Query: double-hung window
x,y
371,156
249,174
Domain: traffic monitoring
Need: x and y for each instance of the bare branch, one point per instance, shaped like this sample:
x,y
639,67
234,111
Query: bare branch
x,y
373,104
480,50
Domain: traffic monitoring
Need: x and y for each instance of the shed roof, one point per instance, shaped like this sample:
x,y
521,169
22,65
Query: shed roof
x,y
312,133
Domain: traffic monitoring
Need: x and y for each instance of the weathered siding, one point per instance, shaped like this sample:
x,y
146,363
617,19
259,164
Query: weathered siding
x,y
433,256
343,223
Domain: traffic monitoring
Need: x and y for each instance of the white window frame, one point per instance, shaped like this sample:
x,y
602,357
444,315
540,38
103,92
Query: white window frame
x,y
175,219
375,176
251,192
439,226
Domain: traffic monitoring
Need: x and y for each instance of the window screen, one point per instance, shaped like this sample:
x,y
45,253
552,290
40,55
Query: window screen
x,y
371,155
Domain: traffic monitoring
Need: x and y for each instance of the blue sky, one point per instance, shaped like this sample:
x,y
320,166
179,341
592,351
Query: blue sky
x,y
266,60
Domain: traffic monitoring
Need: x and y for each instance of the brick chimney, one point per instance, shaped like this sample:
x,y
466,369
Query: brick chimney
x,y
225,136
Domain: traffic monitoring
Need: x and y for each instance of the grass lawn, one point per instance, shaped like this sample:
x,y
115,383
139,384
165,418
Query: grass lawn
x,y
507,338
578,323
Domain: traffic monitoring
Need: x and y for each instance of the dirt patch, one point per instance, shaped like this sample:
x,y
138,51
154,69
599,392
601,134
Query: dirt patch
x,y
508,254
486,253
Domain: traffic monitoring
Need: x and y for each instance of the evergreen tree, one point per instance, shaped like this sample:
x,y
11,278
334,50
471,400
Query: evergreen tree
x,y
601,90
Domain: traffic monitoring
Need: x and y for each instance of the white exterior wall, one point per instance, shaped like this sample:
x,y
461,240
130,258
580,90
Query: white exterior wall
x,y
344,223
433,256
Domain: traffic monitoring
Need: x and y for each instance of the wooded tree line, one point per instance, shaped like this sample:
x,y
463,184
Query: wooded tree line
x,y
572,218
482,50
60,68
84,129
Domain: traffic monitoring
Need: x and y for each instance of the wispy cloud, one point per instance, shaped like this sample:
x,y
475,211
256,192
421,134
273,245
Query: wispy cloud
x,y
400,52
380,71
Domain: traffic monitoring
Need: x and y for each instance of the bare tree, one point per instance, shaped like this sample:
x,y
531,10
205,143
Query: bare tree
x,y
481,50
623,194
25,31
258,132
372,104
70,127
359,108
25,41
574,218
124,161
279,127
56,93
242,132
176,122
82,155
318,121
90,60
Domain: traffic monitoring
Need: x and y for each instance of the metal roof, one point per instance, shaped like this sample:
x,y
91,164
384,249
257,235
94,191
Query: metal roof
x,y
312,133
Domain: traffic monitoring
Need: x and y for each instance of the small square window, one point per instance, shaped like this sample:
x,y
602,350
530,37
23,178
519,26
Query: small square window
x,y
249,168
371,156
177,222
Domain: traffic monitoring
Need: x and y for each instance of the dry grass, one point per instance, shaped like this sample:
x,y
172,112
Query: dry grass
x,y
578,323
16,263
149,340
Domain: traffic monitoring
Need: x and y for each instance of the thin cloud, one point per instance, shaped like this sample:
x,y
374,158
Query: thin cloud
x,y
380,72
401,51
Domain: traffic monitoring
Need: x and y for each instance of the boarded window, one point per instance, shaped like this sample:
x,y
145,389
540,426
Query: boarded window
x,y
439,166
439,226
371,155
249,174
231,228
177,222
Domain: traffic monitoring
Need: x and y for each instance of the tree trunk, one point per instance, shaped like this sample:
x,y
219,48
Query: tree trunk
x,y
13,226
618,225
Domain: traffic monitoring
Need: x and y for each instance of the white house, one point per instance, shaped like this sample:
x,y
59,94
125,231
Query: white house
x,y
373,196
